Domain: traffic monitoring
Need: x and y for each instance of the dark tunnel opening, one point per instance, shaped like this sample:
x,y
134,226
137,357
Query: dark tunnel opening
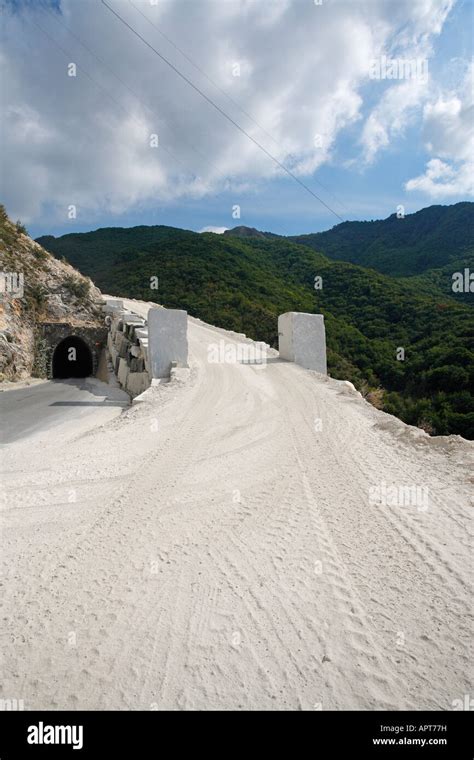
x,y
72,358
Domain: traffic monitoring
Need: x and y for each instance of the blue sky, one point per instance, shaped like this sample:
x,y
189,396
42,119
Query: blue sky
x,y
83,141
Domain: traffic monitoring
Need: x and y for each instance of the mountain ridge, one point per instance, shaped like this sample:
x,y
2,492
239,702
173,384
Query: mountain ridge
x,y
377,244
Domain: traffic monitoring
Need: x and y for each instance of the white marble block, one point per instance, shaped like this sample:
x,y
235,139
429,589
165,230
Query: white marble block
x,y
302,339
167,340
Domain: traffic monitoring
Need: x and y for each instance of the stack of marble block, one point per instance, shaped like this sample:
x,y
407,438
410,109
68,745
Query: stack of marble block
x,y
127,344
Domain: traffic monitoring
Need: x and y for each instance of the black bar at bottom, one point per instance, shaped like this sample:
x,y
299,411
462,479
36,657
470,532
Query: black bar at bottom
x,y
149,734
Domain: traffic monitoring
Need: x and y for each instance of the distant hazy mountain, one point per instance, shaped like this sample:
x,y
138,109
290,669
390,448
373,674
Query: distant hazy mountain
x,y
244,281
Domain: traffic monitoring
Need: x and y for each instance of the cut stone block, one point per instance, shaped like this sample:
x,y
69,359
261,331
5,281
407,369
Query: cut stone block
x,y
112,351
133,319
112,307
123,372
123,349
137,365
147,363
302,339
129,328
118,316
167,340
137,382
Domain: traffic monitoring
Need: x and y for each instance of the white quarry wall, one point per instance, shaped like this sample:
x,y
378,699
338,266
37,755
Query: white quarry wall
x,y
167,340
302,339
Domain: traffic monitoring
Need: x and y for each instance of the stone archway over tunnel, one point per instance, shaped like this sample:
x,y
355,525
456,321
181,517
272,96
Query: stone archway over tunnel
x,y
72,357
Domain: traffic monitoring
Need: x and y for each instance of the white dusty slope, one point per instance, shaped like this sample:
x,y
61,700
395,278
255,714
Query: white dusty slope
x,y
135,578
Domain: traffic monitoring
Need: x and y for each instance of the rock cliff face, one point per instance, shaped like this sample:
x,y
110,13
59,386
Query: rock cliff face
x,y
35,288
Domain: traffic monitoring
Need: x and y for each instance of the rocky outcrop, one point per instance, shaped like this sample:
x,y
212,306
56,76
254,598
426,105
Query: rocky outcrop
x,y
36,288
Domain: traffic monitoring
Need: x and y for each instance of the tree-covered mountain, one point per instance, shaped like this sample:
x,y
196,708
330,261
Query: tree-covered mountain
x,y
434,238
246,232
432,245
244,282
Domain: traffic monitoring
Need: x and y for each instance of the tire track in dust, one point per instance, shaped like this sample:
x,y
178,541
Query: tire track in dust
x,y
115,519
384,685
403,523
179,460
388,528
450,654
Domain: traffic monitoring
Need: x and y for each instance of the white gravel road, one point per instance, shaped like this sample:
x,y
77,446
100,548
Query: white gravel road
x,y
234,542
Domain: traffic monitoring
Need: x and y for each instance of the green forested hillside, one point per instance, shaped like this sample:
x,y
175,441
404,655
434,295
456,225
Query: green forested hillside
x,y
245,283
429,239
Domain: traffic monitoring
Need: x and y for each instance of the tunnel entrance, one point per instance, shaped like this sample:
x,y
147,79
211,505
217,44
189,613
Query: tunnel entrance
x,y
72,358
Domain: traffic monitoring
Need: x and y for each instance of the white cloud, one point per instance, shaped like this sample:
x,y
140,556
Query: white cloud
x,y
216,230
449,137
70,140
408,86
391,117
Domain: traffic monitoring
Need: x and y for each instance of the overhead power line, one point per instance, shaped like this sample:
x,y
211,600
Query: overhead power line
x,y
124,84
225,94
222,112
100,87
201,71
